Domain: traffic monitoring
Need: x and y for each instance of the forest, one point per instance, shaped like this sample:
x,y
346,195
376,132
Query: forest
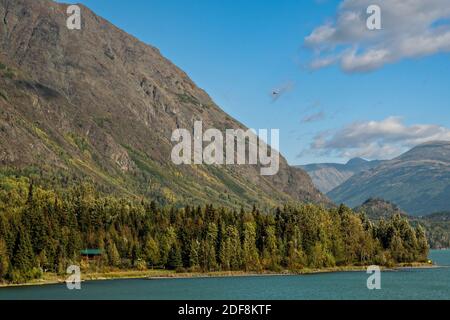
x,y
437,226
44,230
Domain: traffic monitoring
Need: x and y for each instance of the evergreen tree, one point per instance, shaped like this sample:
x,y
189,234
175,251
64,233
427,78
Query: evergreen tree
x,y
48,228
174,261
23,257
113,254
210,261
194,255
422,244
270,249
234,247
250,253
4,259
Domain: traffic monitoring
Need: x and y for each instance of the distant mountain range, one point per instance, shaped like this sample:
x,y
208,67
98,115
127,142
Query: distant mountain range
x,y
418,181
99,104
327,176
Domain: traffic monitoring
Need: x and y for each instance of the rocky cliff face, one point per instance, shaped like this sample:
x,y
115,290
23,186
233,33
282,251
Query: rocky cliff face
x,y
99,103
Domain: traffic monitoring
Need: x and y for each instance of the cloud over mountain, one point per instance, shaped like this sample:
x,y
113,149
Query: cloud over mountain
x,y
376,139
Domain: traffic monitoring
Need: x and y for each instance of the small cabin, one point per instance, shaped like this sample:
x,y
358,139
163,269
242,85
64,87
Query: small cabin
x,y
91,254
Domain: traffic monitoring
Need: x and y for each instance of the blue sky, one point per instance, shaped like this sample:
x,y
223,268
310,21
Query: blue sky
x,y
240,51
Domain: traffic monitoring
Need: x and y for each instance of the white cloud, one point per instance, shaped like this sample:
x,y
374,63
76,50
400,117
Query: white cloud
x,y
376,139
410,29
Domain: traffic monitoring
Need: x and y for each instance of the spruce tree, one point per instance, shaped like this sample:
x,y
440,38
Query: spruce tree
x,y
23,257
174,261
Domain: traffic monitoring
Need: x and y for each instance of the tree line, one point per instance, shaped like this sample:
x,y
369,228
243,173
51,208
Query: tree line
x,y
42,230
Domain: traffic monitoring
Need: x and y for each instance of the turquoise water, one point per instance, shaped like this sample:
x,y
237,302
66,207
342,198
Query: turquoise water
x,y
403,284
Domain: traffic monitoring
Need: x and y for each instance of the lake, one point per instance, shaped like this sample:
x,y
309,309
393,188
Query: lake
x,y
402,284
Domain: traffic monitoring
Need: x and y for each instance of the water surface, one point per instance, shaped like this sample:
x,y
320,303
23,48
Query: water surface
x,y
402,284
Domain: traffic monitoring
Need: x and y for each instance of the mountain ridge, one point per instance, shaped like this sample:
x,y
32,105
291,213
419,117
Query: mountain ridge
x,y
327,176
418,181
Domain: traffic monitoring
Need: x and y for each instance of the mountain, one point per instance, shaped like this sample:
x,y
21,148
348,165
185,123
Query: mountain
x,y
327,176
99,104
376,209
438,216
418,181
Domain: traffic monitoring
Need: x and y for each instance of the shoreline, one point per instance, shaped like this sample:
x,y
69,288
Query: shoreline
x,y
52,279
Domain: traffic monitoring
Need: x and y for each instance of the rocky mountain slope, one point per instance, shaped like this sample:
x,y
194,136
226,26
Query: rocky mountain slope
x,y
97,103
327,176
418,181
